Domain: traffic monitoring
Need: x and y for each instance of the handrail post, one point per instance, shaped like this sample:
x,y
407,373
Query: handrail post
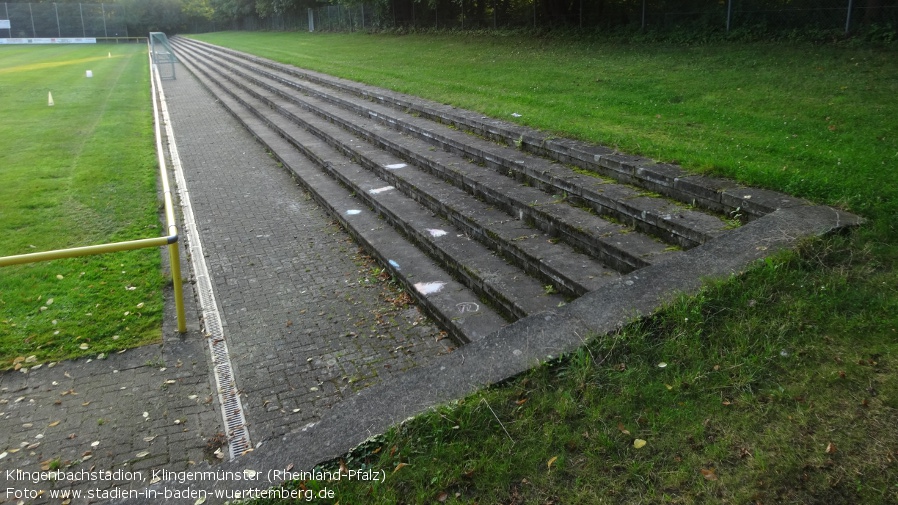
x,y
175,258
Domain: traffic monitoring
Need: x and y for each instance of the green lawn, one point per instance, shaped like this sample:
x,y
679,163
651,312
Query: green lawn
x,y
778,386
81,172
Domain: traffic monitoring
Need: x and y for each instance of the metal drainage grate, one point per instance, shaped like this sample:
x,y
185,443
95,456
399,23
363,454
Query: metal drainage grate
x,y
228,396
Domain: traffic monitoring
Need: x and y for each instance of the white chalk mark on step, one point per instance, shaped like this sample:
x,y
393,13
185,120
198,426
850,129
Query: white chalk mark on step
x,y
427,288
395,166
380,190
467,307
436,233
353,212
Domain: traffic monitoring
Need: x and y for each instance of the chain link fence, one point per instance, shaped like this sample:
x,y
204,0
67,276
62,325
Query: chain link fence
x,y
62,20
721,16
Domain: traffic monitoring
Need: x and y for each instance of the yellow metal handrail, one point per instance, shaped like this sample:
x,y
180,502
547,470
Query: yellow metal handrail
x,y
171,240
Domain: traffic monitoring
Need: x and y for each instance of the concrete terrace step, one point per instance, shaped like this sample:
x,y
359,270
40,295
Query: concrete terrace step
x,y
515,294
612,243
660,217
554,263
717,195
480,233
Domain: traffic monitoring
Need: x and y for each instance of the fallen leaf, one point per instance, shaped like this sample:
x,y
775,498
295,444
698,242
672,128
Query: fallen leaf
x,y
709,474
83,347
54,423
639,443
60,277
830,448
400,465
549,464
95,443
662,365
142,454
443,497
622,429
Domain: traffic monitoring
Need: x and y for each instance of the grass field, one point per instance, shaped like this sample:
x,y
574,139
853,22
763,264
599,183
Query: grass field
x,y
778,386
78,173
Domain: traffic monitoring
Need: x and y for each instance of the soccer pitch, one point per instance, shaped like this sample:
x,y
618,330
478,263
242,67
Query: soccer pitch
x,y
79,172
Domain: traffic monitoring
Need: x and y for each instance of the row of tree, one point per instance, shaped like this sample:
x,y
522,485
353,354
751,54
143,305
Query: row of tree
x,y
174,16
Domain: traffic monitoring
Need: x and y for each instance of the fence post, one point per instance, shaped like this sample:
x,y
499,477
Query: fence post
x,y
58,28
729,14
30,11
311,20
105,32
643,14
81,10
848,18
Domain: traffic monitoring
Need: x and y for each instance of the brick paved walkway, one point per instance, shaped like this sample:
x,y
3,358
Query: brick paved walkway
x,y
307,321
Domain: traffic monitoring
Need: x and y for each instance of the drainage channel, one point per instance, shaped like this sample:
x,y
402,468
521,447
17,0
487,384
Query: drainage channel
x,y
228,395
